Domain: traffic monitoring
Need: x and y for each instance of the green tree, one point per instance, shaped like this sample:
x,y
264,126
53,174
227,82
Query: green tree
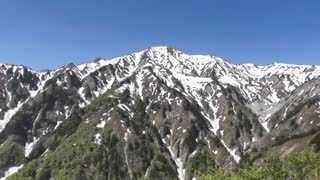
x,y
297,165
302,165
200,163
215,174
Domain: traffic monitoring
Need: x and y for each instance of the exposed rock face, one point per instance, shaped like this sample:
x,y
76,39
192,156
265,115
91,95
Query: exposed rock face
x,y
146,114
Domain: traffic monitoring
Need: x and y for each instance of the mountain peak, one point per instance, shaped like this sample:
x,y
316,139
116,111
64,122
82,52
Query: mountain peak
x,y
69,66
163,50
159,48
177,104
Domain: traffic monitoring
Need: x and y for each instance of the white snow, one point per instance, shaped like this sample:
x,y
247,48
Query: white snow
x,y
57,125
8,115
184,130
285,113
11,171
127,109
232,152
300,120
193,153
194,72
97,138
81,94
229,80
67,111
179,163
139,90
45,153
29,146
222,133
101,124
265,125
300,93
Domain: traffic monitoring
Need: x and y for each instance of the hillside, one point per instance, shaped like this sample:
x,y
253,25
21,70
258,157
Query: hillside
x,y
148,114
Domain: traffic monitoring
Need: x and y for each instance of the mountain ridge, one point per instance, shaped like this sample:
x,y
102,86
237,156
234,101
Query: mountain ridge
x,y
159,47
194,103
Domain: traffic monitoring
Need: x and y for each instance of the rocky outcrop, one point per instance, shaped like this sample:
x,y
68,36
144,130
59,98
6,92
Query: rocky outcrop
x,y
151,114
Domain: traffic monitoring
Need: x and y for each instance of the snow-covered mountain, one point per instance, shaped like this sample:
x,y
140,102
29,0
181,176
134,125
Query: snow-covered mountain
x,y
163,107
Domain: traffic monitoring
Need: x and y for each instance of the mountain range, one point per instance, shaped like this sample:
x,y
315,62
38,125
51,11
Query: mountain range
x,y
151,114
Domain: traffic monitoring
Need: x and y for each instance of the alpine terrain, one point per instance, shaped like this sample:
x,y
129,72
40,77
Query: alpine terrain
x,y
152,114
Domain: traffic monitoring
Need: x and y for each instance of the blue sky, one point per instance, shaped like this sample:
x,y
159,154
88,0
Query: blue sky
x,y
50,33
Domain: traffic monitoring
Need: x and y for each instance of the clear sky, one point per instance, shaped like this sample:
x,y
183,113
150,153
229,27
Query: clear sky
x,y
50,33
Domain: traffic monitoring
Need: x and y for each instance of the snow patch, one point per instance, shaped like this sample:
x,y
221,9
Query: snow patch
x,y
101,124
57,125
29,146
232,152
11,171
8,115
179,163
97,138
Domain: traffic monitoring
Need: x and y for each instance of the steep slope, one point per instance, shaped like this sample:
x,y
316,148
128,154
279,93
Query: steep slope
x,y
153,111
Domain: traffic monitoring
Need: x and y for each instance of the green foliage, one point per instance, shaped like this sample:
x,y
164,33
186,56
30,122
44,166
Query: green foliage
x,y
190,138
281,137
11,153
43,173
78,157
215,140
200,163
296,165
302,165
273,168
140,121
161,168
252,173
316,142
215,174
28,172
105,101
141,153
70,125
286,135
140,109
124,96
